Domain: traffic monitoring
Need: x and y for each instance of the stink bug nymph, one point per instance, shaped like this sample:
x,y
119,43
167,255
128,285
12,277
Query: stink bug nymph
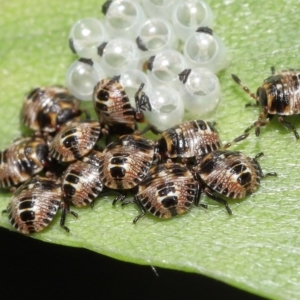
x,y
169,189
74,140
24,158
34,204
113,107
231,174
45,109
81,180
126,162
191,139
279,95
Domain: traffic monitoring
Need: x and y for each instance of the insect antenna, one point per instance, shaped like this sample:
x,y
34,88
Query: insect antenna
x,y
246,89
236,140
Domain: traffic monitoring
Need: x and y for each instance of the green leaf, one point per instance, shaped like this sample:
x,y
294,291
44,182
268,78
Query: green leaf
x,y
256,249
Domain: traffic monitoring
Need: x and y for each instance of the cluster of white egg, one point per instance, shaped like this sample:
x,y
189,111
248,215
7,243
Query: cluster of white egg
x,y
151,41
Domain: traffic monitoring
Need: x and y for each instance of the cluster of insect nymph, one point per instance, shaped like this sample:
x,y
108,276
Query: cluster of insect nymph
x,y
62,163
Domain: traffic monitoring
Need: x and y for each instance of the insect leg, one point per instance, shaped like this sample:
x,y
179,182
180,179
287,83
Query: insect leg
x,y
101,194
142,208
131,201
209,193
250,127
197,198
236,140
251,104
63,217
259,123
273,70
87,114
120,197
66,210
270,174
258,155
152,128
289,126
142,102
